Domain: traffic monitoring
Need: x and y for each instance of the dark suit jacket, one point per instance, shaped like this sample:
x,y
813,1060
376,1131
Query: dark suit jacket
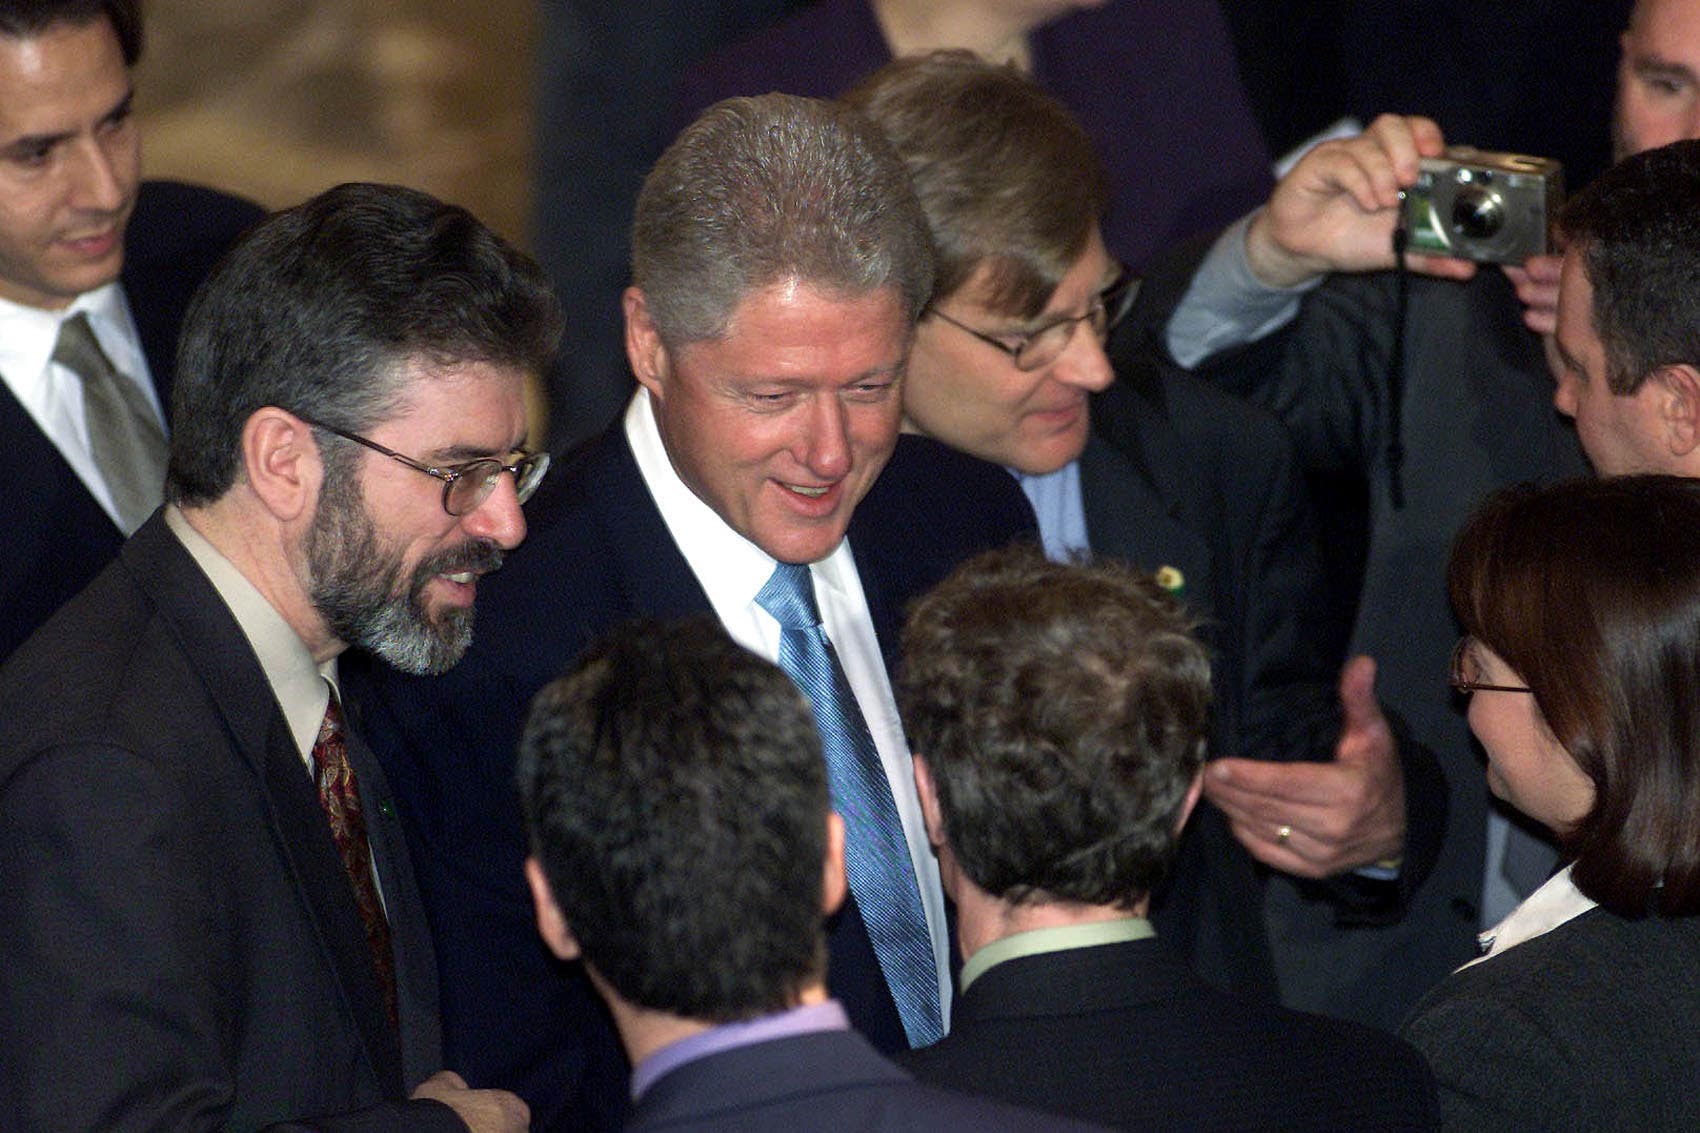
x,y
828,1080
1477,415
597,554
1593,1025
181,945
60,537
1124,1034
1179,474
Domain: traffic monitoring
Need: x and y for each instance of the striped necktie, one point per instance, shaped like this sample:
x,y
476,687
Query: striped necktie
x,y
882,877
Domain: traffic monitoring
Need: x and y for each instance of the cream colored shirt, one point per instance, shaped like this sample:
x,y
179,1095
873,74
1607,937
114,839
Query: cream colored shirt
x,y
1038,941
302,687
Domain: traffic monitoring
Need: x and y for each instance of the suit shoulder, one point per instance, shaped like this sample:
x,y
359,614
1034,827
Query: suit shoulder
x,y
171,216
934,1107
926,481
1214,415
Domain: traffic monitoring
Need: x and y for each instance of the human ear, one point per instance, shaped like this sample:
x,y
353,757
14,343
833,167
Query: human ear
x,y
551,925
645,351
1678,393
281,461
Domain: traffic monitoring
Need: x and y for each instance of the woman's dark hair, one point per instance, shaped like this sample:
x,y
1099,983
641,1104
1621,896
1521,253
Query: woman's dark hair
x,y
1590,591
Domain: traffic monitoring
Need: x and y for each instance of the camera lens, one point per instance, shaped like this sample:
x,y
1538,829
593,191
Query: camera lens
x,y
1476,214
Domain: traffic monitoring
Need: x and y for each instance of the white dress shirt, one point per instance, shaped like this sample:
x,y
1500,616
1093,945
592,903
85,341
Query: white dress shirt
x,y
52,394
731,570
1542,911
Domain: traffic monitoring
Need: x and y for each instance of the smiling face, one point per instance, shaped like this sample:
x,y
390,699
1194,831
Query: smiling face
x,y
782,423
971,396
1526,765
70,163
388,568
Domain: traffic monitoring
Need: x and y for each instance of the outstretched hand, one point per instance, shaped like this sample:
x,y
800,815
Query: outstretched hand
x,y
1313,819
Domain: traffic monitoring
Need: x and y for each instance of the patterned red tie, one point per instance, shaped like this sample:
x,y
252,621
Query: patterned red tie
x,y
339,795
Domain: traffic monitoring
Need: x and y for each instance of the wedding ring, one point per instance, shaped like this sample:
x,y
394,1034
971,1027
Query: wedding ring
x,y
1283,833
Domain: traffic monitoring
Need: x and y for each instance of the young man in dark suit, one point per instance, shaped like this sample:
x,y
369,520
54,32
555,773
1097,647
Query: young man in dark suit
x,y
1160,471
84,241
684,847
779,263
1059,715
211,917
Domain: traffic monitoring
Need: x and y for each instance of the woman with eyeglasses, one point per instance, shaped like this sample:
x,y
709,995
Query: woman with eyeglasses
x,y
1581,605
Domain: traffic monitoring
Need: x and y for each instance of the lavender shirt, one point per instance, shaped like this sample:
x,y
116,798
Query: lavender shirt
x,y
828,1016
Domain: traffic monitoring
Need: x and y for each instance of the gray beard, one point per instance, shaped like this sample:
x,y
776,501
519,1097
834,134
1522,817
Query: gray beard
x,y
356,585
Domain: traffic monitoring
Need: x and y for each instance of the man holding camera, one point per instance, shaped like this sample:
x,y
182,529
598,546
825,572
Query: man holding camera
x,y
1426,393
1422,392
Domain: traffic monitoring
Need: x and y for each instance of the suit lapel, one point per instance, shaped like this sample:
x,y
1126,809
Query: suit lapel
x,y
662,582
1133,514
259,736
410,937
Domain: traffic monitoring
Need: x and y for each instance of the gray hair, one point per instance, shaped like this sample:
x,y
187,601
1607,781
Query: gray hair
x,y
763,190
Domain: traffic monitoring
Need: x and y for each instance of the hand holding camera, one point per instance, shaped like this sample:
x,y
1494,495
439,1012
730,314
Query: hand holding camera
x,y
1338,207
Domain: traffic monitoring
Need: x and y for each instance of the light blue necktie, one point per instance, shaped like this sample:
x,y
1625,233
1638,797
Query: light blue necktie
x,y
882,877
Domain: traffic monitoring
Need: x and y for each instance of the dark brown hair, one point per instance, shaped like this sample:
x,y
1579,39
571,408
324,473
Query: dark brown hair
x,y
25,19
675,792
1008,179
1062,709
1590,591
1637,228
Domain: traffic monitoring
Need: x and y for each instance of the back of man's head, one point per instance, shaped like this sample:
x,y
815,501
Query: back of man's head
x,y
985,146
1062,711
26,19
1637,230
676,797
761,191
322,308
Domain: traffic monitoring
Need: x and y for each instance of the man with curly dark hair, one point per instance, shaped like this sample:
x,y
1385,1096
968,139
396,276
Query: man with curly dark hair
x,y
1059,714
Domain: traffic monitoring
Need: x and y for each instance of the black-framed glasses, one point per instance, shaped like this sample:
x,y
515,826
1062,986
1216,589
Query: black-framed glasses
x,y
467,485
1036,349
1466,674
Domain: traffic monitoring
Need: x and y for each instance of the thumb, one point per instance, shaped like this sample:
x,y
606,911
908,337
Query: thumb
x,y
1358,705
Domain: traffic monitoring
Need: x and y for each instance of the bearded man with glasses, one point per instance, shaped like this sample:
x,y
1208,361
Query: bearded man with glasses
x,y
1158,470
212,918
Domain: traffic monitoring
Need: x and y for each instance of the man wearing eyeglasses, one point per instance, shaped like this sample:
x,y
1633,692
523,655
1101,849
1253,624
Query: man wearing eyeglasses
x,y
211,917
779,264
96,268
1155,469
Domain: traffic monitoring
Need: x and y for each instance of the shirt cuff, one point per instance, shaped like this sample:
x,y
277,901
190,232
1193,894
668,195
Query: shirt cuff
x,y
1226,305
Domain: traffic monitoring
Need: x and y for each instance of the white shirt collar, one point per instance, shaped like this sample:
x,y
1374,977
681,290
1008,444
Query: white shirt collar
x,y
730,568
1542,911
28,335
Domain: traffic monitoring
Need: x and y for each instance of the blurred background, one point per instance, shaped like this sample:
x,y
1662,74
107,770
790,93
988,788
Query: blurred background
x,y
278,99
541,116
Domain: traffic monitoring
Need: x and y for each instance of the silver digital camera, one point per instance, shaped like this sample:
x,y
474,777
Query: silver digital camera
x,y
1490,207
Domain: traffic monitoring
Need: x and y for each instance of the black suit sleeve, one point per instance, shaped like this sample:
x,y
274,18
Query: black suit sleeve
x,y
119,957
